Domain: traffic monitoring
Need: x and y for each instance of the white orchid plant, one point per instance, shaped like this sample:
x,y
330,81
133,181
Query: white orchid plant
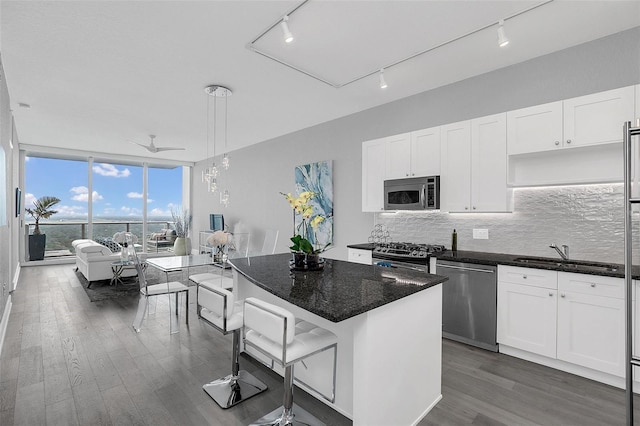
x,y
309,224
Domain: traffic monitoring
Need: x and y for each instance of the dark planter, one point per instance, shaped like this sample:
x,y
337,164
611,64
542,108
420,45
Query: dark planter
x,y
306,262
37,244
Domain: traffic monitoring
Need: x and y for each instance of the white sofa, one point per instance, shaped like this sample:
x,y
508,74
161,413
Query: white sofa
x,y
94,260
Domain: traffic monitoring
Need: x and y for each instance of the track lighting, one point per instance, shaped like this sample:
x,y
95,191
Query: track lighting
x,y
502,37
288,37
383,82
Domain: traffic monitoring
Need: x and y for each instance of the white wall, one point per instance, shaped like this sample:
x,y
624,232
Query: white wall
x,y
259,172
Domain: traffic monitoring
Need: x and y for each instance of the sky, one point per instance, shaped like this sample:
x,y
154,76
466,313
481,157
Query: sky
x,y
117,189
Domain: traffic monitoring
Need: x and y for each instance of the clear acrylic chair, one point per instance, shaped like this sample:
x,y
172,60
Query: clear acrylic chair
x,y
270,241
168,288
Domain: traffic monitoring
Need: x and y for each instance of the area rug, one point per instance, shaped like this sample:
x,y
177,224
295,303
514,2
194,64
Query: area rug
x,y
102,290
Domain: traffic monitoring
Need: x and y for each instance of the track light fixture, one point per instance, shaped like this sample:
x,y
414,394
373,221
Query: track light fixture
x,y
288,37
502,37
383,82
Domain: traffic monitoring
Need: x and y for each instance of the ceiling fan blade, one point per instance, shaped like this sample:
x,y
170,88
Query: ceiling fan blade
x,y
167,148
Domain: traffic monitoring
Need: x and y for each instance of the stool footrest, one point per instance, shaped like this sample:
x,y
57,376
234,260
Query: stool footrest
x,y
229,391
301,417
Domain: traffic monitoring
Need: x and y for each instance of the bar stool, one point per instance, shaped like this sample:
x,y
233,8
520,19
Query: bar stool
x,y
217,307
274,332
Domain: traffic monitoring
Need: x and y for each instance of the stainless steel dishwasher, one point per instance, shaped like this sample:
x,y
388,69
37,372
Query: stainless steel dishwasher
x,y
469,303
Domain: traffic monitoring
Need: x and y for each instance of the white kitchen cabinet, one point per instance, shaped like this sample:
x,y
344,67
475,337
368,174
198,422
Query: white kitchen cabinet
x,y
373,175
534,129
597,118
474,166
360,256
591,322
582,121
398,156
413,154
425,152
527,300
455,163
489,164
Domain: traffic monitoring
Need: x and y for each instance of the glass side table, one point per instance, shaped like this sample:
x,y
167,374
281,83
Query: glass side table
x,y
118,268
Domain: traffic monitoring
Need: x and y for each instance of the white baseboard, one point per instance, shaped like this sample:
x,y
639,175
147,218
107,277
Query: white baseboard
x,y
4,323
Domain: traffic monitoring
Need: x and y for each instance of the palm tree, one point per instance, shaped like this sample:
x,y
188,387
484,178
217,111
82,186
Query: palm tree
x,y
42,210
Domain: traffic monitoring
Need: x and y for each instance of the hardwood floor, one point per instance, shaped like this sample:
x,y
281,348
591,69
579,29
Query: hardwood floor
x,y
68,361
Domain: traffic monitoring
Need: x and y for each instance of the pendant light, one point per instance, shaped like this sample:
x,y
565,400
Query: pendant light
x,y
210,174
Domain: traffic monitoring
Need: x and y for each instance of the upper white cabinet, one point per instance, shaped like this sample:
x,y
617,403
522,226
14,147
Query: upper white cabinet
x,y
373,174
489,164
413,154
474,165
398,156
586,120
425,152
597,118
534,129
455,167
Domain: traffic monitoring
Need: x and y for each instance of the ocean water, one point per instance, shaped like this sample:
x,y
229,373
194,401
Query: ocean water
x,y
61,232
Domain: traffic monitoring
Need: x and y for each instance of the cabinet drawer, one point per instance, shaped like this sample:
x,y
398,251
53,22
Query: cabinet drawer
x,y
591,284
360,256
528,276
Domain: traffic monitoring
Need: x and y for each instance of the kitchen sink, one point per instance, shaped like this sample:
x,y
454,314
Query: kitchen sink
x,y
567,265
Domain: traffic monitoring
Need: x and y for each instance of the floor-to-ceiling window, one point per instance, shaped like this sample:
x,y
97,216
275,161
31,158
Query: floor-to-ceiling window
x,y
66,180
101,197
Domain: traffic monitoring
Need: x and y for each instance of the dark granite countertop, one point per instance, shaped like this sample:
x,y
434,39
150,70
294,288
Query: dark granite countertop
x,y
554,264
340,291
549,263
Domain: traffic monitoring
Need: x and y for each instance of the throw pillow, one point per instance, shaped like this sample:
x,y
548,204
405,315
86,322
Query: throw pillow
x,y
112,245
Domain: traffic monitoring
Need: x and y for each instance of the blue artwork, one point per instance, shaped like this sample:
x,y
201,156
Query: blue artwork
x,y
318,178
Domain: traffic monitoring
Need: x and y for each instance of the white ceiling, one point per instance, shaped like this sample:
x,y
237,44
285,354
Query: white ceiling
x,y
101,74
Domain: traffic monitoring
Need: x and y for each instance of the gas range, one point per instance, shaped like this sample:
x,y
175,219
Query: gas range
x,y
406,252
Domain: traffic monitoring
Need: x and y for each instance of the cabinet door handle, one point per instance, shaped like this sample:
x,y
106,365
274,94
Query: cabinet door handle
x,y
593,284
406,174
524,276
550,294
557,143
474,207
562,295
466,208
568,140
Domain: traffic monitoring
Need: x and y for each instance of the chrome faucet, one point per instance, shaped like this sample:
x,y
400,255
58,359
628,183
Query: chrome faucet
x,y
564,253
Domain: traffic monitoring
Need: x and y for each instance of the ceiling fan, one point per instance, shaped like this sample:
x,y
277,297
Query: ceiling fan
x,y
153,149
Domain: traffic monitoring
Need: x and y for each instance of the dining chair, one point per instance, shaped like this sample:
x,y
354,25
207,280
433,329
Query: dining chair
x,y
168,288
270,241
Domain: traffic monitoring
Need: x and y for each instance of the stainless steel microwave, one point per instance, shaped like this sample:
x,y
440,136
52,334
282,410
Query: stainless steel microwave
x,y
421,193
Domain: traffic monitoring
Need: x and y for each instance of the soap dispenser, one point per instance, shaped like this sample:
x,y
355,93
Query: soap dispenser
x,y
454,241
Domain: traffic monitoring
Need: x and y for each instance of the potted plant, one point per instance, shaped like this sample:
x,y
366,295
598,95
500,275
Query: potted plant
x,y
306,250
42,209
182,222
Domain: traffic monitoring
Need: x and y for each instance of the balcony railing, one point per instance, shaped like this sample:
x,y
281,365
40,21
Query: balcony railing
x,y
61,234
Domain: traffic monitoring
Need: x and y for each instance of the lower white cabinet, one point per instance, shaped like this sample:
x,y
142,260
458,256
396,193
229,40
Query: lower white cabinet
x,y
360,256
527,318
591,322
575,318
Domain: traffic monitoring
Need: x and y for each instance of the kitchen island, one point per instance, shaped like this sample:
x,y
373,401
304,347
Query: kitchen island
x,y
389,328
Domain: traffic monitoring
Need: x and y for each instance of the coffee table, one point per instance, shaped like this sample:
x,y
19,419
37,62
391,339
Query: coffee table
x,y
118,268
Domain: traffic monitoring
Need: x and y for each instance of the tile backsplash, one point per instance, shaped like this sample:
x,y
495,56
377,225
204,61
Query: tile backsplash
x,y
588,218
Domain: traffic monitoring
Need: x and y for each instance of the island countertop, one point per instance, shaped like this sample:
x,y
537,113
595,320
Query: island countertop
x,y
340,290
